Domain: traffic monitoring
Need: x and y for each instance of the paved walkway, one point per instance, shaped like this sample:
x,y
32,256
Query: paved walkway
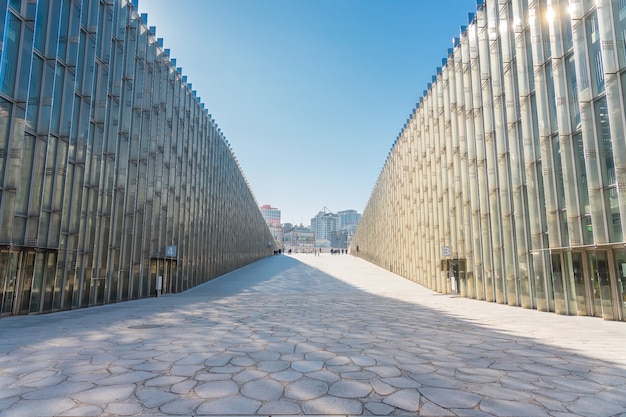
x,y
326,335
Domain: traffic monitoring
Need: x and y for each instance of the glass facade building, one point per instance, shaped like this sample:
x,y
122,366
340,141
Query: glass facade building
x,y
508,181
113,176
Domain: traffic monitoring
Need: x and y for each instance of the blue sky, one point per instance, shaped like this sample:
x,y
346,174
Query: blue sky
x,y
311,94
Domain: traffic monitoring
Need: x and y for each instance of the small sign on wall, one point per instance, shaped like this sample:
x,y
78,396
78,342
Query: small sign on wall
x,y
170,251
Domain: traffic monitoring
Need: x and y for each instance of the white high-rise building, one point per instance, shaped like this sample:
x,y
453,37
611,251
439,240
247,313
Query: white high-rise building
x,y
324,224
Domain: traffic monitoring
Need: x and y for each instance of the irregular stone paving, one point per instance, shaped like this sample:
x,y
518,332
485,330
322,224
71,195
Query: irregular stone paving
x,y
305,335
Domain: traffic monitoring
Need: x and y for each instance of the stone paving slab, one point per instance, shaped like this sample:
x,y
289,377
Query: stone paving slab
x,y
316,336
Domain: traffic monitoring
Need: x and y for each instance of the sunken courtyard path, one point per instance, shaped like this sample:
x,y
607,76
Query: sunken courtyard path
x,y
311,335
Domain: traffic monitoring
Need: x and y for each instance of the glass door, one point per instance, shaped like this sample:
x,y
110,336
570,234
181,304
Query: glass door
x,y
25,281
557,284
620,268
9,269
584,301
601,285
170,272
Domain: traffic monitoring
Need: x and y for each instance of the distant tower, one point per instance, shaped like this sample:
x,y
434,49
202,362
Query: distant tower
x,y
270,214
324,224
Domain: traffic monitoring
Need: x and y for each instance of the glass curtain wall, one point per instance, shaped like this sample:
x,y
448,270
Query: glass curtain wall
x,y
113,176
512,164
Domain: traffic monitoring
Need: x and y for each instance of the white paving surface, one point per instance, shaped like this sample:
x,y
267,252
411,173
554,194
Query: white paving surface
x,y
311,335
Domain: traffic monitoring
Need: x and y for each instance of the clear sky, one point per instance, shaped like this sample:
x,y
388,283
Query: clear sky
x,y
311,94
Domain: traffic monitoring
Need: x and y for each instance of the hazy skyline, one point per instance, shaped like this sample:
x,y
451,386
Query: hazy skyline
x,y
311,95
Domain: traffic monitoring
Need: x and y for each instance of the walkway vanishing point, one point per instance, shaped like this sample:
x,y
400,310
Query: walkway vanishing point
x,y
307,335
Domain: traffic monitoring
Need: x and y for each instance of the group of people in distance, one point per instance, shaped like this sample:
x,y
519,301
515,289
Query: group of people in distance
x,y
315,251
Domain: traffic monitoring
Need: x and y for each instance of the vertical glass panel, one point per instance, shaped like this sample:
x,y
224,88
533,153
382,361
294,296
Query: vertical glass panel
x,y
554,126
595,53
26,282
558,172
4,267
569,283
66,110
41,25
581,173
26,168
10,55
80,62
5,120
566,27
52,40
536,141
36,184
539,282
620,268
35,298
564,227
574,106
587,230
557,284
58,98
93,13
19,230
614,218
16,4
64,29
31,10
609,178
580,288
595,285
26,43
529,60
603,275
46,96
44,224
619,13
123,285
73,34
48,283
545,33
10,282
32,112
623,89
605,145
66,279
90,64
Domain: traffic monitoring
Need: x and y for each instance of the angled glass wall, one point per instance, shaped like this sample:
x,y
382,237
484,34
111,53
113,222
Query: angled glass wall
x,y
114,179
508,181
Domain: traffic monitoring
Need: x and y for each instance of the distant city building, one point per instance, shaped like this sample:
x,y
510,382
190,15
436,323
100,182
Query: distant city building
x,y
335,230
277,232
298,239
339,239
348,218
324,224
270,214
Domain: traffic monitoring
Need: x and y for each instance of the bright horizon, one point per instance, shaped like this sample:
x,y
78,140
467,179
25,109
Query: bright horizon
x,y
311,95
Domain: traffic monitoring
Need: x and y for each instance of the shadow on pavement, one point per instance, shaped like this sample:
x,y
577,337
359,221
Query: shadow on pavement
x,y
317,343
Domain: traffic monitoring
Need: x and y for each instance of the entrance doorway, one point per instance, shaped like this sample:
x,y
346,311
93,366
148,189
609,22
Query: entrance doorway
x,y
455,275
620,270
16,277
9,268
166,269
600,277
